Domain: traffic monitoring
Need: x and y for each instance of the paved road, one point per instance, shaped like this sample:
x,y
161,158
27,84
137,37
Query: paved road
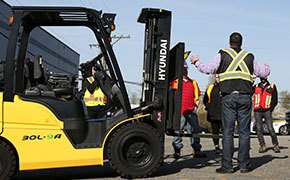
x,y
269,165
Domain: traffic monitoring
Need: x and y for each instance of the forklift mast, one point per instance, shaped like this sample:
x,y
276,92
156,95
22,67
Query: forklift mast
x,y
161,65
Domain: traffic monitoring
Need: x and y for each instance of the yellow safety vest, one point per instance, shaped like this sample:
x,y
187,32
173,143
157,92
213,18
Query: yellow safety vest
x,y
208,91
232,71
98,98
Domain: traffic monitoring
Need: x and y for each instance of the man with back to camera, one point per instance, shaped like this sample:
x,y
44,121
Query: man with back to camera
x,y
236,69
265,101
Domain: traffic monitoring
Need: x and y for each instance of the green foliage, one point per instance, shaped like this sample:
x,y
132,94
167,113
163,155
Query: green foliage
x,y
202,120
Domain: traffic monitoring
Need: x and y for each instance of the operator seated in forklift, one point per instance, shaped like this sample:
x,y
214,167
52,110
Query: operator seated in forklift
x,y
94,98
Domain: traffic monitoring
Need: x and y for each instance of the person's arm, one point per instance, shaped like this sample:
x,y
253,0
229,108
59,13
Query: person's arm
x,y
209,68
274,100
261,70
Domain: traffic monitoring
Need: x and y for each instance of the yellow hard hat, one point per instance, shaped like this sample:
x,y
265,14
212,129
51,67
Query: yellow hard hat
x,y
186,54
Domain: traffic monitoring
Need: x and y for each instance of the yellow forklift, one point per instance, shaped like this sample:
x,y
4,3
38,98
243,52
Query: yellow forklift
x,y
41,130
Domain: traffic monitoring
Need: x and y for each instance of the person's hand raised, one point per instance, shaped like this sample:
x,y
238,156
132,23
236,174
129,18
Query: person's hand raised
x,y
194,59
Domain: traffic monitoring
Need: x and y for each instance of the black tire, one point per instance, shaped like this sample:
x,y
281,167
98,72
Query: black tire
x,y
136,150
283,130
7,161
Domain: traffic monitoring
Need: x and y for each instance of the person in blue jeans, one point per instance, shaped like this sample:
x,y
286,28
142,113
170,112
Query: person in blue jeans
x,y
189,119
190,122
236,69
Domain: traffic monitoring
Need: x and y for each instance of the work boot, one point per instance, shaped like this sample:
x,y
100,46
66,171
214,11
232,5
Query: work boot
x,y
217,150
198,154
276,148
223,170
176,154
262,148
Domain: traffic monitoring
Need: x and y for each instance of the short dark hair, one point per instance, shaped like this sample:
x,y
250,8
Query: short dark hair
x,y
236,39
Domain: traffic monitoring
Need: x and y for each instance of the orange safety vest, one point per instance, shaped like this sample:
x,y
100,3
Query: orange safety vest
x,y
98,98
174,85
262,99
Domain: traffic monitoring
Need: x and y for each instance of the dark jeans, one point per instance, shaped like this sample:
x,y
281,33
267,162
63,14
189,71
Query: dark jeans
x,y
236,107
191,121
216,126
269,122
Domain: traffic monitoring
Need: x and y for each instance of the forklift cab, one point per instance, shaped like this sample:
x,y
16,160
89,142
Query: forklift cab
x,y
72,112
26,19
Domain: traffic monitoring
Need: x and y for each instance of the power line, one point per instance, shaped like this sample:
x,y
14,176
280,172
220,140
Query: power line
x,y
94,4
105,5
91,3
133,83
113,37
19,2
72,44
118,25
82,3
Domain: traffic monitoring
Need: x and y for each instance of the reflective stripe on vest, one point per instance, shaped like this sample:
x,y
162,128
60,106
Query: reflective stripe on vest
x,y
208,91
232,71
98,98
91,79
262,99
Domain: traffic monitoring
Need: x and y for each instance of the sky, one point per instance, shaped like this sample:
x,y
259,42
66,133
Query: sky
x,y
204,27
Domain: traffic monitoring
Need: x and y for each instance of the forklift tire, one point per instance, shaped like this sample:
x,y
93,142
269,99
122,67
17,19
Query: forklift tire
x,y
136,150
7,161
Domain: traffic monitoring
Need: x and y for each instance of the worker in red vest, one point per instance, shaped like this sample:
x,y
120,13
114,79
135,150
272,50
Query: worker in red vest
x,y
265,100
190,100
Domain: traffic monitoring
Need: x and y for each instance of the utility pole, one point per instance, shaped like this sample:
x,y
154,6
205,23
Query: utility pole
x,y
113,37
118,38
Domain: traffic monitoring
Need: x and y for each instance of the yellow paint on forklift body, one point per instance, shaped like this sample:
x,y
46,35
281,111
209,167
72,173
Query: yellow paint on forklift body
x,y
1,115
39,139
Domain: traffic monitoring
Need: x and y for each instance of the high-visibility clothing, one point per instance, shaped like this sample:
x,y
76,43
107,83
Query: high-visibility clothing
x,y
208,91
238,68
98,98
212,101
263,97
190,94
235,71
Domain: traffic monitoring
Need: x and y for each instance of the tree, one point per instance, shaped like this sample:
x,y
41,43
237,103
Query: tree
x,y
134,98
284,98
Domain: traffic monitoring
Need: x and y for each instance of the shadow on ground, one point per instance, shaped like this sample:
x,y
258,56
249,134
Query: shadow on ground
x,y
170,166
211,160
68,173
